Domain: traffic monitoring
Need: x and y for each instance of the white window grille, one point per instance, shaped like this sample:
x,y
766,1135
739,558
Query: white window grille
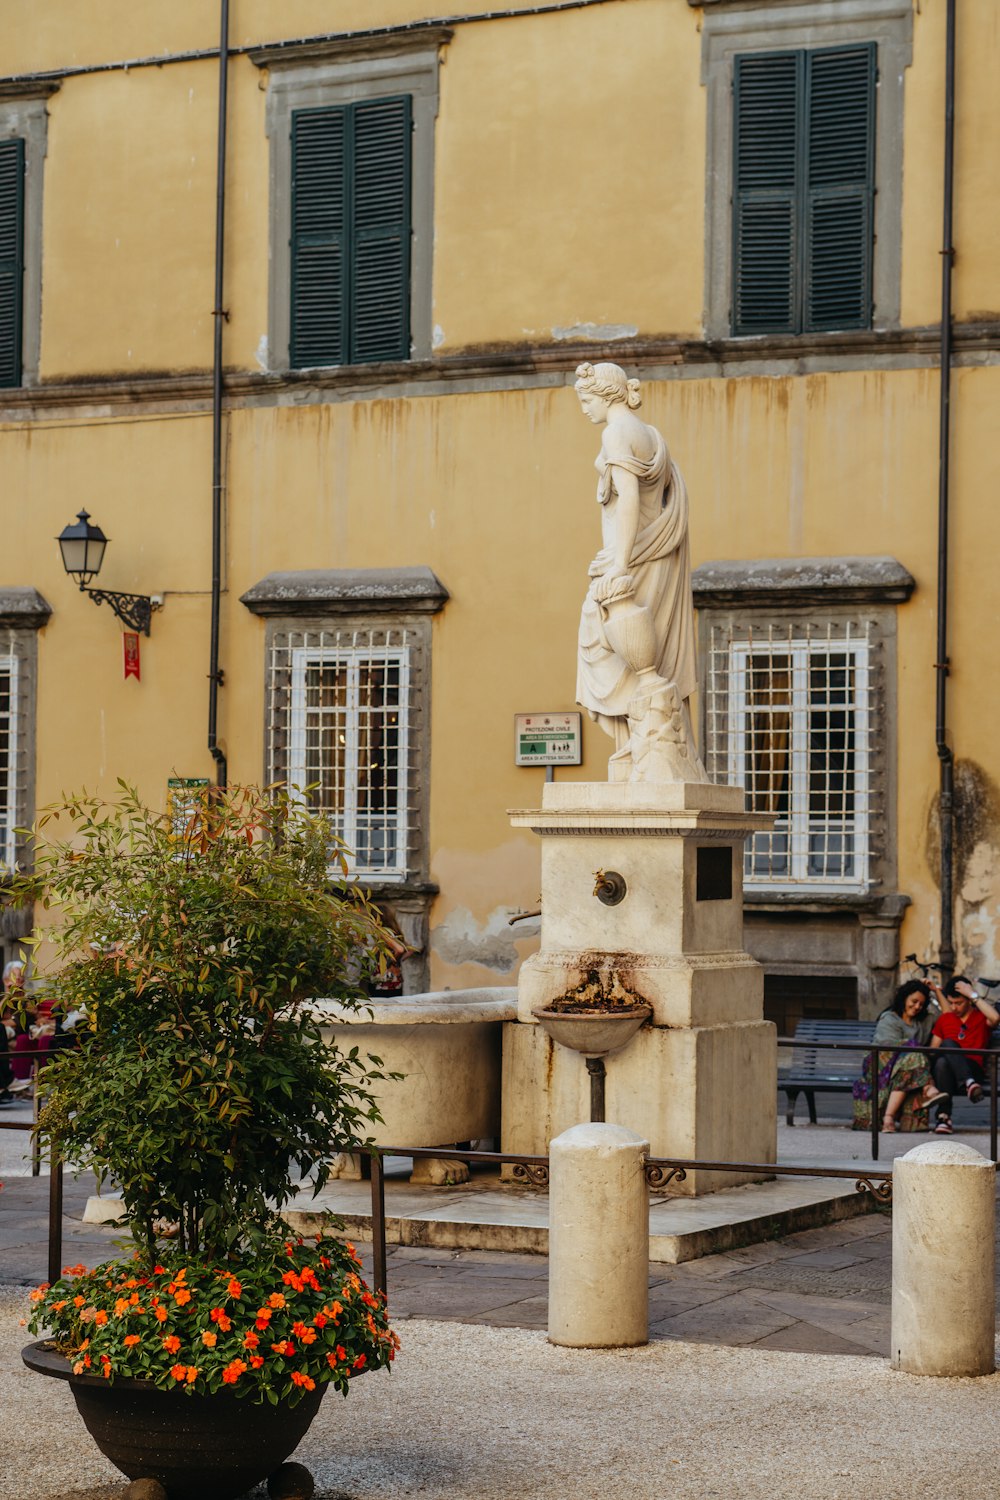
x,y
340,720
8,758
790,719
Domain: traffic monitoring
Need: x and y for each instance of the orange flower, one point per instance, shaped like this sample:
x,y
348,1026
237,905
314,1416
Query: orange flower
x,y
234,1289
256,1360
293,1279
209,1339
341,1352
100,1317
171,1343
192,1374
276,1299
78,1368
58,1306
263,1318
233,1371
159,1270
223,1319
284,1346
360,1362
321,1320
160,1313
334,1311
298,1378
130,1340
178,1372
77,1301
251,1340
121,1307
182,1295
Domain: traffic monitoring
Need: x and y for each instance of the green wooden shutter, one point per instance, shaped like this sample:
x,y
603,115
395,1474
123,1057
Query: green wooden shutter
x,y
351,226
11,259
766,133
803,190
319,238
380,280
840,111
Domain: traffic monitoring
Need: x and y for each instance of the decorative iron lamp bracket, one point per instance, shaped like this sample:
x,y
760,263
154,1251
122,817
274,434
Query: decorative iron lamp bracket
x,y
134,610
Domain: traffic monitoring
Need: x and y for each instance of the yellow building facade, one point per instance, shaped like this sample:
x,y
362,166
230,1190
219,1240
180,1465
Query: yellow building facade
x,y
429,222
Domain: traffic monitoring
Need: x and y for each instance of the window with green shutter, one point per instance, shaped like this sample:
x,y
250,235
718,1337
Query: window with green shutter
x,y
803,190
350,233
11,259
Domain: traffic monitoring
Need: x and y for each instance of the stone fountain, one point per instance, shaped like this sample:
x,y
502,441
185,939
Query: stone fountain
x,y
642,875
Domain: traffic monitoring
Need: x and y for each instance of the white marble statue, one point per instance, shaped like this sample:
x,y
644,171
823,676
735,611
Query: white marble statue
x,y
637,642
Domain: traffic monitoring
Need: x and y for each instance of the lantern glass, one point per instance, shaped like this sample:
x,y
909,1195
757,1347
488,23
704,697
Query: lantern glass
x,y
82,546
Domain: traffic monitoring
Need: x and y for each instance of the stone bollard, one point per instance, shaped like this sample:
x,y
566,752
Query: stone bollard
x,y
943,1299
598,1238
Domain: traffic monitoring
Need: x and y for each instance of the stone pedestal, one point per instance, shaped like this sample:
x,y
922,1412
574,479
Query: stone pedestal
x,y
700,1080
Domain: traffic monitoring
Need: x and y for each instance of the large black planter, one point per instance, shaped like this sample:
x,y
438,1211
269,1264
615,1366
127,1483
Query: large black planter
x,y
198,1447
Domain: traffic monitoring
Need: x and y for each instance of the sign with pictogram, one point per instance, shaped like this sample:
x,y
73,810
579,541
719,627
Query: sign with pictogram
x,y
552,739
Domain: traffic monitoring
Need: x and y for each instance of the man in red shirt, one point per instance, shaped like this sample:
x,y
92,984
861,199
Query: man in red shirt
x,y
965,1025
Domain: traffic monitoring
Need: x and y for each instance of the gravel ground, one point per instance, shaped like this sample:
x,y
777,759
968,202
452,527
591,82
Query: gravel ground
x,y
499,1413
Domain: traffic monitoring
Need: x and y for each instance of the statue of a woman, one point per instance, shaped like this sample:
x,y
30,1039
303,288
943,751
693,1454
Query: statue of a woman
x,y
637,642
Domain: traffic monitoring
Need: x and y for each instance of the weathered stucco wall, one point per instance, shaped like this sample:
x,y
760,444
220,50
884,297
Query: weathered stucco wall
x,y
569,195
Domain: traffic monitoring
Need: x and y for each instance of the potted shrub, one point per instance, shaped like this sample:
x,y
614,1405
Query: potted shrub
x,y
203,1088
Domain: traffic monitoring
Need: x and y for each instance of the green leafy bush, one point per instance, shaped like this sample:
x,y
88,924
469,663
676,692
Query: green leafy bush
x,y
202,1084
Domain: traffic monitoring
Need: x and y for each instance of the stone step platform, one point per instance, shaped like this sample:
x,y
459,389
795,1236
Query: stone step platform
x,y
488,1214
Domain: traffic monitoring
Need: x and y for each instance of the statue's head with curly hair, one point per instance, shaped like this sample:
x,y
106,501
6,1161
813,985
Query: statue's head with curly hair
x,y
609,383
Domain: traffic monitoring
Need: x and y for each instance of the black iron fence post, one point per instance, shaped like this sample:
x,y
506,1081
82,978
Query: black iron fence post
x,y
55,1216
876,1113
378,1223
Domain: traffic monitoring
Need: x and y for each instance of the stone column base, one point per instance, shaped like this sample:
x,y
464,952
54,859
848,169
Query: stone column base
x,y
705,1092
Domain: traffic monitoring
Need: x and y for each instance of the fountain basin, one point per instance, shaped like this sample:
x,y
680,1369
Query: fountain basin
x,y
595,1032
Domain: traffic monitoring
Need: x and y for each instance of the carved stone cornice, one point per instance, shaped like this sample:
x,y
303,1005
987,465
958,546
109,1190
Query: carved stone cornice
x,y
23,609
800,582
346,591
507,365
380,43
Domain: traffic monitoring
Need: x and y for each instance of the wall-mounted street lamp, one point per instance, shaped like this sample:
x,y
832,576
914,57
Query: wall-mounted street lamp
x,y
82,546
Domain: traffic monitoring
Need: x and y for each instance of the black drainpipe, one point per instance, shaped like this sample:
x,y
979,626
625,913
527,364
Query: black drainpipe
x,y
215,675
946,799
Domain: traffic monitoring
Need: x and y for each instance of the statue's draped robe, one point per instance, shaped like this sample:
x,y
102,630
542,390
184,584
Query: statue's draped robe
x,y
660,565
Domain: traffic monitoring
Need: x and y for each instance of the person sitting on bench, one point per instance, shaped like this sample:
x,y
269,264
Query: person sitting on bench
x,y
966,1024
905,1090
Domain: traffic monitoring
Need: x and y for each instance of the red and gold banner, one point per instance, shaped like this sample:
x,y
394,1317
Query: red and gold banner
x,y
130,649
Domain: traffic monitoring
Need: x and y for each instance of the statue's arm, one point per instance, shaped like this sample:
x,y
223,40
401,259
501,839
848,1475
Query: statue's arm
x,y
626,530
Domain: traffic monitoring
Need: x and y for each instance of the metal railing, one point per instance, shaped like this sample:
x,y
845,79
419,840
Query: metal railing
x,y
660,1171
55,1196
988,1055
